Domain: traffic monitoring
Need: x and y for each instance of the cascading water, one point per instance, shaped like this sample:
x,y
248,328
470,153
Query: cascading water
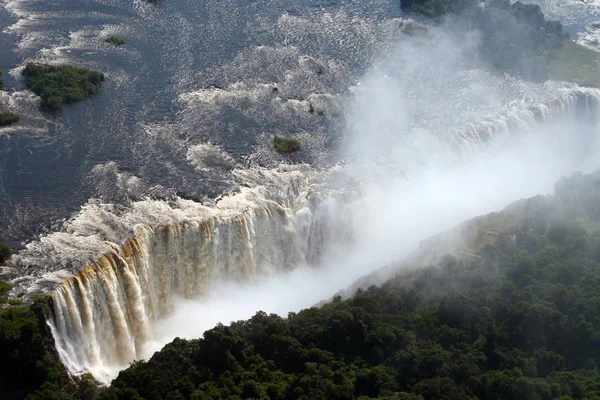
x,y
105,314
118,270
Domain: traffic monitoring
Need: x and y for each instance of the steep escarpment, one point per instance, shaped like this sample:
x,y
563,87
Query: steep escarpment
x,y
112,287
106,314
515,319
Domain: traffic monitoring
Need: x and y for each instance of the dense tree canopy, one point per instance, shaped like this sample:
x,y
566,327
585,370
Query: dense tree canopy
x,y
518,320
28,362
59,84
5,252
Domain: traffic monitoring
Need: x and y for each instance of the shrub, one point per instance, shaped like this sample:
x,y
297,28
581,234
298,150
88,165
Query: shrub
x,y
117,41
4,288
286,145
7,118
59,84
5,252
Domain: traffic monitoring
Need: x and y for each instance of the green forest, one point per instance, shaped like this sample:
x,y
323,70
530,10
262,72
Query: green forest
x,y
517,319
60,84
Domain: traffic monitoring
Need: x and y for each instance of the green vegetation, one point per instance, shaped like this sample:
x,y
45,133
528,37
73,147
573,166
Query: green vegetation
x,y
8,118
117,41
411,28
518,321
5,252
4,289
516,38
59,84
286,145
29,367
575,63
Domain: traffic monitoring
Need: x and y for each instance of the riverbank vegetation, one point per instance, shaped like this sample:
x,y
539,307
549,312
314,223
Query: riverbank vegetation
x,y
29,366
8,118
115,40
5,252
517,320
60,84
516,38
575,63
286,145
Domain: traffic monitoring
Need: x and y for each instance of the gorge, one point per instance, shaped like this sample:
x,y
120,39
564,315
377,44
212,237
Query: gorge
x,y
168,210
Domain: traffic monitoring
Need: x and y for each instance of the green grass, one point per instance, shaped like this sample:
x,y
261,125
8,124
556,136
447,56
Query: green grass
x,y
117,41
576,63
60,84
286,145
8,118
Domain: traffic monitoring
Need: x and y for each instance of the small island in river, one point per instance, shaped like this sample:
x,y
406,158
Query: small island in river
x,y
60,84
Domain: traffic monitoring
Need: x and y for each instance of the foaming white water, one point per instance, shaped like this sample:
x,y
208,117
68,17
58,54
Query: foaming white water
x,y
106,313
398,210
258,249
437,145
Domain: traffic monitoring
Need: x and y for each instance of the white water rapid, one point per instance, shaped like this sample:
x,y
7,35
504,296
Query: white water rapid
x,y
406,136
114,310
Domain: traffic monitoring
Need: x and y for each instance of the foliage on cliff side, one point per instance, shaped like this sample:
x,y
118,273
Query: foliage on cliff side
x,y
59,84
519,320
29,366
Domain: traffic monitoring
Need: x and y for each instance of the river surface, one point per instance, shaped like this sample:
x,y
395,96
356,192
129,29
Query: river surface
x,y
138,120
186,99
402,137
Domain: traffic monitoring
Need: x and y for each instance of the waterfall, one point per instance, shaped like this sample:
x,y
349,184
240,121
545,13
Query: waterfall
x,y
523,117
106,311
104,315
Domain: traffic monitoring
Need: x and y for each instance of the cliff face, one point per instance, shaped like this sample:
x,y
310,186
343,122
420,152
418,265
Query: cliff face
x,y
573,207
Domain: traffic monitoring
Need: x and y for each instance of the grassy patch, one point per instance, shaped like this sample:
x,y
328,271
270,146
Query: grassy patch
x,y
575,63
7,118
117,41
59,84
286,145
